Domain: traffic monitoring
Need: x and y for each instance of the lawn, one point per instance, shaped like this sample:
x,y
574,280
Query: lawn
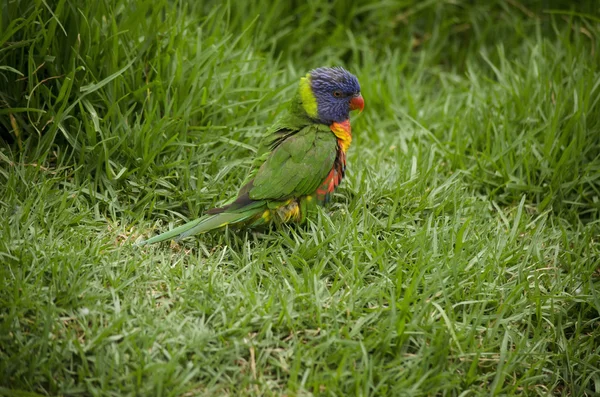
x,y
460,255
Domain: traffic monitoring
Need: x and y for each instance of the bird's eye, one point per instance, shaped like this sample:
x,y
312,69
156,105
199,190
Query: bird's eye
x,y
337,94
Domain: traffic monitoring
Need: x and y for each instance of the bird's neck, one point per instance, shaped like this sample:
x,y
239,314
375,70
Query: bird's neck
x,y
343,132
307,97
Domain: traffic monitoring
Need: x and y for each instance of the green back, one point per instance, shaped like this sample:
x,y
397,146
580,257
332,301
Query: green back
x,y
297,166
289,122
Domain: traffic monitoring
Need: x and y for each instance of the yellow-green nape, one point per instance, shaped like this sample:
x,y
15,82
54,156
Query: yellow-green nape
x,y
309,102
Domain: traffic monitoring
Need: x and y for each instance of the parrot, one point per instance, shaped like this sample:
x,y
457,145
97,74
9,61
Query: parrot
x,y
300,161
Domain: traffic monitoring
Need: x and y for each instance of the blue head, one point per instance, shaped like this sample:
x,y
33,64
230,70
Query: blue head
x,y
329,94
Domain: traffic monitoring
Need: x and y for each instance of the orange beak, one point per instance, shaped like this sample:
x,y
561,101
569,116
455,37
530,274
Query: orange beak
x,y
357,102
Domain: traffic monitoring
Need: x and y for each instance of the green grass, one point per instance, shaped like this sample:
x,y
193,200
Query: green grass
x,y
460,256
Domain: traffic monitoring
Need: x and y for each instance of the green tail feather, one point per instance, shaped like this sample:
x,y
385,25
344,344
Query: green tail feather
x,y
203,225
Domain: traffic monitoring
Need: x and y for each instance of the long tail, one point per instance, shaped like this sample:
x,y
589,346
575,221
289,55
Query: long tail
x,y
203,225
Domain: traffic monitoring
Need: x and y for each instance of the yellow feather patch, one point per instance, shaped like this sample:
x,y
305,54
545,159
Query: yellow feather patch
x,y
292,212
309,102
343,132
289,212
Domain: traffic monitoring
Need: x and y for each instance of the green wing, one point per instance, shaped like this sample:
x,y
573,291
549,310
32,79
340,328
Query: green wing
x,y
289,123
297,166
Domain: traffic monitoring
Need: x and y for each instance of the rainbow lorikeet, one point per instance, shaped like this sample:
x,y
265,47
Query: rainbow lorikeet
x,y
301,160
